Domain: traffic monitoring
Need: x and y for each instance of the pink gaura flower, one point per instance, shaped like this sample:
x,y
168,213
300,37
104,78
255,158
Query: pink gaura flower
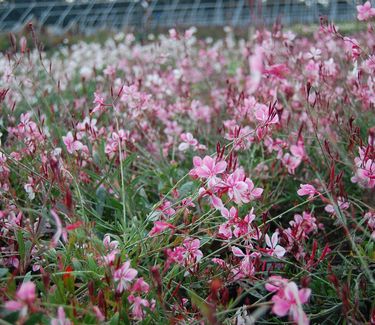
x,y
100,104
240,188
160,226
365,172
275,283
246,267
225,229
110,244
140,286
166,208
273,248
370,219
307,189
341,203
137,306
291,162
30,188
25,298
277,70
71,144
124,275
289,300
188,141
306,223
61,318
217,202
208,168
237,188
192,251
254,192
262,114
365,11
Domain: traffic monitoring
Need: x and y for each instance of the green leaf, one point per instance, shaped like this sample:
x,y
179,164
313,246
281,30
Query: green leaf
x,y
21,245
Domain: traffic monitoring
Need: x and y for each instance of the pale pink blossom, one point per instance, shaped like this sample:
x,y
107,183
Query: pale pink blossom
x,y
100,104
208,168
365,11
25,298
262,114
61,318
341,203
110,244
191,249
124,275
188,141
254,192
137,306
246,267
365,170
160,226
307,189
288,299
291,162
237,188
369,217
71,144
273,248
140,286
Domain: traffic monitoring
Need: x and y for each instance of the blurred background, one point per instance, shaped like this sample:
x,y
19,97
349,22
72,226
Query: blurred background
x,y
87,17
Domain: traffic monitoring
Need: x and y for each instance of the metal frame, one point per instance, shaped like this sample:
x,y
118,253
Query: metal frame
x,y
89,16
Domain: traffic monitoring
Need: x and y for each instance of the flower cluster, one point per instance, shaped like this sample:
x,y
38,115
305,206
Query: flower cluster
x,y
186,180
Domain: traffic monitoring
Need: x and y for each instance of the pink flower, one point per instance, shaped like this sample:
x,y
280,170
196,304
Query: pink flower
x,y
277,70
289,300
141,286
173,34
99,315
307,189
275,283
365,11
208,168
160,226
25,297
246,267
124,275
71,144
291,162
342,205
254,192
99,101
217,202
262,114
192,251
225,230
274,249
188,141
304,225
219,262
137,306
365,173
370,219
61,318
60,231
110,257
237,188
108,244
